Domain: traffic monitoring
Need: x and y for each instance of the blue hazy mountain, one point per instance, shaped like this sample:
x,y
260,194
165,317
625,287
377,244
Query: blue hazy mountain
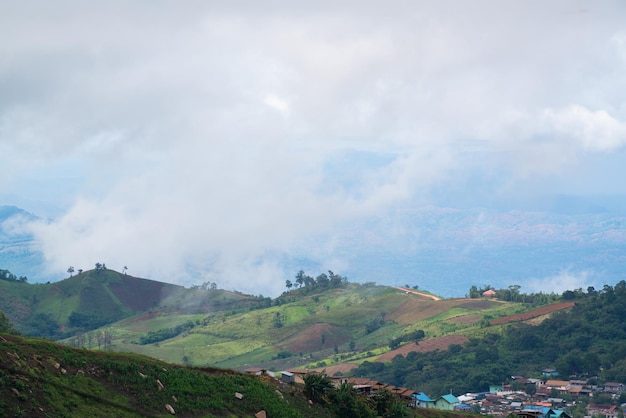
x,y
442,250
18,252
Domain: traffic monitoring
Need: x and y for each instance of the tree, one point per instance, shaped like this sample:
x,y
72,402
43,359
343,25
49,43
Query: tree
x,y
124,269
288,284
473,292
322,280
5,325
300,278
317,386
70,270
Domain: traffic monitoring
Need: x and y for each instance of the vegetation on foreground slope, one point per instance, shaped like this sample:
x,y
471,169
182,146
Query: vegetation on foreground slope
x,y
42,379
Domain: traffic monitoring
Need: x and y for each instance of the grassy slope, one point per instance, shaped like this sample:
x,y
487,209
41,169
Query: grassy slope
x,y
227,333
312,325
107,295
41,379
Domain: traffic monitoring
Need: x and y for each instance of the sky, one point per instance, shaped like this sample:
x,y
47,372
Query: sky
x,y
198,140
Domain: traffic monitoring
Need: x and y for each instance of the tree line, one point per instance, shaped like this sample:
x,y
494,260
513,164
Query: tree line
x,y
7,276
322,281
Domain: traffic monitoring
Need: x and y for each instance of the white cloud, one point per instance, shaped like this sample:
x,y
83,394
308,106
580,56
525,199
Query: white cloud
x,y
565,280
593,130
207,136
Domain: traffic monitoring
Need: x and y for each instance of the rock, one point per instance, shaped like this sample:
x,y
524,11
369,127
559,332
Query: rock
x,y
174,398
170,409
279,393
238,395
142,375
160,384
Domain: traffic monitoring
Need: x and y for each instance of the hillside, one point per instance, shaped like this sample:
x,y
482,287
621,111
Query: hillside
x,y
96,298
314,326
583,337
43,379
303,328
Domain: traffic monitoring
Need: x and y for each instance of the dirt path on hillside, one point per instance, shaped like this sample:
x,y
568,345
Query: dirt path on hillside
x,y
415,292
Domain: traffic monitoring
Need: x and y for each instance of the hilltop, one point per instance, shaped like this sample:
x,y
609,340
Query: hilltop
x,y
95,298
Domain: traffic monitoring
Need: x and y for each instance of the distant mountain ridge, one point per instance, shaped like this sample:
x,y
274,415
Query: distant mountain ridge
x,y
18,251
444,249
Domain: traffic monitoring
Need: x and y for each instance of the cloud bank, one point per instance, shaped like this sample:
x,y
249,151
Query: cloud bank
x,y
195,140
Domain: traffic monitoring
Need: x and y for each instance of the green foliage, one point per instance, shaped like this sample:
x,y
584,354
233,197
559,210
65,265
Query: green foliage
x,y
414,336
69,382
5,325
374,324
589,339
86,321
7,276
165,334
44,325
317,386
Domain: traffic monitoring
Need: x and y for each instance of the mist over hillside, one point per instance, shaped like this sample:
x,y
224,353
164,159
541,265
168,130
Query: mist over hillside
x,y
18,250
442,249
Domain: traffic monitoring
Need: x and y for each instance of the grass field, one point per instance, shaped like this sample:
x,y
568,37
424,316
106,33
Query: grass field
x,y
301,329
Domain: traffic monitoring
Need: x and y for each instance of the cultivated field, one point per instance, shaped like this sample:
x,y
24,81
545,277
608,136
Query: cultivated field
x,y
544,310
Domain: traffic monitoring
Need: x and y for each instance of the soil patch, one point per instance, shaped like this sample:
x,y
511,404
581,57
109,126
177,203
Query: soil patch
x,y
431,344
536,313
315,337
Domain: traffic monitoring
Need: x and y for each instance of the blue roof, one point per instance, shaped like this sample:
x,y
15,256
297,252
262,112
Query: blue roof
x,y
450,398
422,397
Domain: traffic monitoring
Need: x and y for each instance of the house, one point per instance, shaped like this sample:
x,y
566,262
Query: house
x,y
446,402
561,386
613,387
287,377
533,411
556,413
528,413
489,293
422,400
463,407
609,411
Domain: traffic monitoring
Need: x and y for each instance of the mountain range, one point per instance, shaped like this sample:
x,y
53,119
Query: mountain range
x,y
442,249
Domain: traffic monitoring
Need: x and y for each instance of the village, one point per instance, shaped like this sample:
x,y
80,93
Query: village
x,y
550,398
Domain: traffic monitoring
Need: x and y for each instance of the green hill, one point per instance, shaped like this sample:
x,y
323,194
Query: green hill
x,y
585,339
302,328
42,379
331,324
96,298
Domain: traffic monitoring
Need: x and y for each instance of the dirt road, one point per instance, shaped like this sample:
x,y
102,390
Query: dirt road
x,y
415,292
